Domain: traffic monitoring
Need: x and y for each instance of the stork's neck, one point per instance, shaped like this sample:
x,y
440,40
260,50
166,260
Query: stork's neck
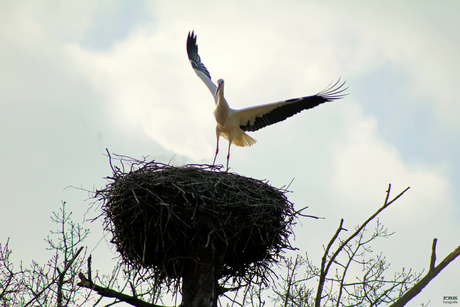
x,y
220,93
220,98
222,110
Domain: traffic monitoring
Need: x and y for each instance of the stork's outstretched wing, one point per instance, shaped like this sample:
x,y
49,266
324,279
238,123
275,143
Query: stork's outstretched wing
x,y
198,66
255,118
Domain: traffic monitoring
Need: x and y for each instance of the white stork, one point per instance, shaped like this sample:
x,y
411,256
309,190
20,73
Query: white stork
x,y
232,124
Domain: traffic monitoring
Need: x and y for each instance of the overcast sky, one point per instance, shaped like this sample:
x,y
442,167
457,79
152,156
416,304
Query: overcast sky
x,y
77,77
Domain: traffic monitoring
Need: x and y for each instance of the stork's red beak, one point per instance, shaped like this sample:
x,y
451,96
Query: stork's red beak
x,y
217,89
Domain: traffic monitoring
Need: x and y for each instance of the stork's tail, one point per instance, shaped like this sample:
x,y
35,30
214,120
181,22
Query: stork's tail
x,y
244,140
241,140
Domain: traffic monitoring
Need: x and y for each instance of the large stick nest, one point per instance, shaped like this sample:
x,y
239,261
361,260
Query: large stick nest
x,y
162,216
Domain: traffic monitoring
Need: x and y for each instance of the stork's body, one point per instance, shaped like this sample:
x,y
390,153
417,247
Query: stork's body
x,y
228,123
232,124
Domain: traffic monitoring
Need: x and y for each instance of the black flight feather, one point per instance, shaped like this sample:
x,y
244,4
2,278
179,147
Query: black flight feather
x,y
192,52
330,93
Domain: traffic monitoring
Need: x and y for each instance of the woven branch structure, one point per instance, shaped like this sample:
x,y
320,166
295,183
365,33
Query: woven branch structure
x,y
162,217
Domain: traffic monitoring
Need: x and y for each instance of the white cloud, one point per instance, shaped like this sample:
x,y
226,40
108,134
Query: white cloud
x,y
403,37
364,164
144,81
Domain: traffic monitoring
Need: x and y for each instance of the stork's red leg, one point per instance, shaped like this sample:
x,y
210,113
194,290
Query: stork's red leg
x,y
228,155
217,151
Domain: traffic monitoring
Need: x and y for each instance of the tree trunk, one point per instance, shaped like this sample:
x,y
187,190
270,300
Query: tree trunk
x,y
199,285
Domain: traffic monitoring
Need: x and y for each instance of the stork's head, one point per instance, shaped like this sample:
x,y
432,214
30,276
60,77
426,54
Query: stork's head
x,y
220,86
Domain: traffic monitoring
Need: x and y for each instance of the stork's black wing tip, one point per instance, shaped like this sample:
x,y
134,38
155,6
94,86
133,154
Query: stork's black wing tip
x,y
192,48
192,52
334,91
191,39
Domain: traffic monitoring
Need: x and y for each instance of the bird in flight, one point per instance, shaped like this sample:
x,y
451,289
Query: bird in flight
x,y
232,124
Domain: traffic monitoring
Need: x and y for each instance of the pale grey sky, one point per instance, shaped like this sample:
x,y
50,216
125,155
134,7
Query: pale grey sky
x,y
79,77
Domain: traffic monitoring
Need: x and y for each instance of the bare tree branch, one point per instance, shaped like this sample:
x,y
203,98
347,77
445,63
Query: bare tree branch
x,y
418,287
107,292
433,254
324,270
60,276
10,285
